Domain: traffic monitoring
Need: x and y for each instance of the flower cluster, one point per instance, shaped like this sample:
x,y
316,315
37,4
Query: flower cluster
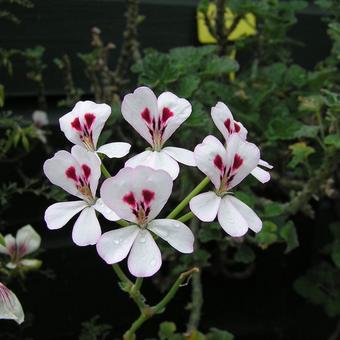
x,y
136,195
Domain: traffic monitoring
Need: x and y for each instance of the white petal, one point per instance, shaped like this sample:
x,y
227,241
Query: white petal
x,y
180,108
158,160
134,104
101,113
254,223
40,118
27,240
176,233
115,245
31,263
220,114
10,247
55,167
58,214
265,164
145,257
10,306
248,152
205,155
135,181
109,214
86,231
181,155
115,149
83,156
231,219
205,206
262,175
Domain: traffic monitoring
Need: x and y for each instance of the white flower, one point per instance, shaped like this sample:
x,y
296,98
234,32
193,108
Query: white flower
x,y
225,122
26,242
83,125
138,195
77,173
156,120
10,306
226,167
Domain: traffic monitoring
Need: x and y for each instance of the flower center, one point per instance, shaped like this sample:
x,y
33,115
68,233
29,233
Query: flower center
x,y
85,130
227,173
157,126
140,208
81,181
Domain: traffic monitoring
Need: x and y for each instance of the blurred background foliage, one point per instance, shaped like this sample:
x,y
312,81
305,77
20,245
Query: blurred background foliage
x,y
291,111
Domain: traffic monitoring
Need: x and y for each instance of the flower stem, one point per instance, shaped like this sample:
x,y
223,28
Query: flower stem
x,y
186,200
148,312
186,217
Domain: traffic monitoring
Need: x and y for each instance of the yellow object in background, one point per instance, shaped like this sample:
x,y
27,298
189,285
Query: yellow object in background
x,y
245,27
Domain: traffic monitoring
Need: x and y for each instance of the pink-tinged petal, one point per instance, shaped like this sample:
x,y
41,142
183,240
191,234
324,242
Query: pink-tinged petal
x,y
181,155
115,149
115,245
89,165
253,221
105,210
176,233
10,245
158,160
145,258
27,240
230,218
10,306
138,109
122,192
242,156
205,206
265,164
173,111
262,175
87,117
225,122
55,168
86,231
58,214
210,157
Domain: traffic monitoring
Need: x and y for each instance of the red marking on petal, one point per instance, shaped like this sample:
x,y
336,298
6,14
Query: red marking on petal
x,y
22,250
237,127
71,173
130,199
86,171
218,162
148,196
166,115
76,124
146,115
89,119
227,125
237,162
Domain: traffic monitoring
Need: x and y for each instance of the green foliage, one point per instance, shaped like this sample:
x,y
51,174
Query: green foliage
x,y
300,153
93,330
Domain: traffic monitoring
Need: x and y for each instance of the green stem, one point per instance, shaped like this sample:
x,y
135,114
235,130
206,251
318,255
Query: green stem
x,y
121,275
138,284
148,312
187,199
186,217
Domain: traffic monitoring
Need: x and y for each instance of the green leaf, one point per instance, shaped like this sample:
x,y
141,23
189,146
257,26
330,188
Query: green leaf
x,y
209,232
2,240
218,66
186,86
300,152
288,233
2,95
217,334
267,235
244,254
167,330
273,209
334,140
335,253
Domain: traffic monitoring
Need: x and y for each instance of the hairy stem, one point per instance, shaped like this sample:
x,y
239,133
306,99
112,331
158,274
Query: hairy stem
x,y
148,312
186,200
